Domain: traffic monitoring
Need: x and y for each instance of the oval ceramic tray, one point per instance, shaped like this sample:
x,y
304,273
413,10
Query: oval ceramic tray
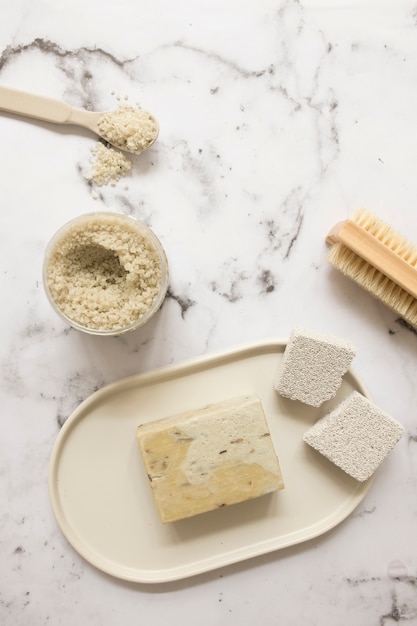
x,y
101,496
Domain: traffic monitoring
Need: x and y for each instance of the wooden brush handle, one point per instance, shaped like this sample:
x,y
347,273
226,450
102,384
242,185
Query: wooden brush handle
x,y
377,254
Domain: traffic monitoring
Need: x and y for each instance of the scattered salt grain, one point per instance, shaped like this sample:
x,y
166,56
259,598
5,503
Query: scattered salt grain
x,y
108,165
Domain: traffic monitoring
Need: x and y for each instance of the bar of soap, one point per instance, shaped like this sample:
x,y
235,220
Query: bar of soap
x,y
312,366
356,436
214,456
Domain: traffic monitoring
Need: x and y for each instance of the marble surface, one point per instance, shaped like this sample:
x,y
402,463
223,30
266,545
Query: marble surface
x,y
278,119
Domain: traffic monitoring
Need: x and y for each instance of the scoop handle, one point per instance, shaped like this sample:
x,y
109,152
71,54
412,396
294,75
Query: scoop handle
x,y
35,106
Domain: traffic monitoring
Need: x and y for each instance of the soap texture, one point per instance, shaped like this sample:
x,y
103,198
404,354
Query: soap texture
x,y
312,366
207,458
356,436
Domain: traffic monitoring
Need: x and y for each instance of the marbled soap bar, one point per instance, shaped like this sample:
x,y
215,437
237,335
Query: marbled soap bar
x,y
217,455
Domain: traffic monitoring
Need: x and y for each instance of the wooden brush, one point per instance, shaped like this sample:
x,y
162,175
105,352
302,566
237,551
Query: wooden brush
x,y
379,259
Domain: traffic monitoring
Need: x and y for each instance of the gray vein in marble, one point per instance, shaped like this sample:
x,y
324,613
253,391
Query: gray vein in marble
x,y
364,512
235,67
269,72
56,556
121,202
12,379
406,325
205,168
183,301
399,611
71,62
198,167
76,386
268,281
280,235
233,293
283,230
402,599
307,90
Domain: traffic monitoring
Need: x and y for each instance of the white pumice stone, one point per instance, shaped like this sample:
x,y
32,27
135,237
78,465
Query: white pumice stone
x,y
356,436
312,366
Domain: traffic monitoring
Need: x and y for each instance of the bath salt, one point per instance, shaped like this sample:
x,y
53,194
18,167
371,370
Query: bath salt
x,y
129,128
108,165
104,273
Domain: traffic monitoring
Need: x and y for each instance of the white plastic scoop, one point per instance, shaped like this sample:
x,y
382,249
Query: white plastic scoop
x,y
59,112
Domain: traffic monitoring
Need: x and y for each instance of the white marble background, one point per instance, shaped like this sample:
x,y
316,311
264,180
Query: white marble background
x,y
278,119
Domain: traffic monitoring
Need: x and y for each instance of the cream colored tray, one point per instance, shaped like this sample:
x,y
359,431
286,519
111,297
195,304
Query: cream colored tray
x,y
100,492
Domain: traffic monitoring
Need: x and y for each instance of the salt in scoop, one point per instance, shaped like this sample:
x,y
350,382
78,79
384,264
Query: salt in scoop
x,y
127,128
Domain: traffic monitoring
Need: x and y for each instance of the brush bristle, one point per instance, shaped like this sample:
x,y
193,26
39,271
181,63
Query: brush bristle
x,y
387,235
374,281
